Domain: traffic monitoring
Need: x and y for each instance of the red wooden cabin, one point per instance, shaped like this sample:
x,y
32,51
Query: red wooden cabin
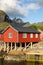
x,y
14,34
11,34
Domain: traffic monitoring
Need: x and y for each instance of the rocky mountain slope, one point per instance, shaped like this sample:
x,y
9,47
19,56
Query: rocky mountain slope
x,y
5,21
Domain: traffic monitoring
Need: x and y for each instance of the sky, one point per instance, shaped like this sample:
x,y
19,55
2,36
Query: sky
x,y
28,10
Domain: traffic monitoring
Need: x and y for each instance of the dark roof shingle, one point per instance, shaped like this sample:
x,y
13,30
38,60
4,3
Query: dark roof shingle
x,y
22,29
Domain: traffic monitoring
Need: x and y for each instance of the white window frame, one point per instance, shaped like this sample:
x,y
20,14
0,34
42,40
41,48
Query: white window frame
x,y
36,35
31,35
24,35
10,35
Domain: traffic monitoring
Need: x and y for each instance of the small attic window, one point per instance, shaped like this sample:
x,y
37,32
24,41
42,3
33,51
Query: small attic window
x,y
10,35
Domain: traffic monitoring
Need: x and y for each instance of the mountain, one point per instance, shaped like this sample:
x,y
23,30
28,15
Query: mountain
x,y
18,20
5,21
39,24
4,17
3,25
27,24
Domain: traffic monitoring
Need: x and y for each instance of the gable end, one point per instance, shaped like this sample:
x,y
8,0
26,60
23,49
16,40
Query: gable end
x,y
10,27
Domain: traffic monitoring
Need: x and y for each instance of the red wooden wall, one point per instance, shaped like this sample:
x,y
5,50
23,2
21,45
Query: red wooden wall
x,y
13,39
1,37
28,39
17,37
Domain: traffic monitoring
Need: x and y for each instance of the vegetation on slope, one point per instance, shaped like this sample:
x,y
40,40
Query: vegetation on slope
x,y
4,17
5,21
36,27
33,26
3,25
40,27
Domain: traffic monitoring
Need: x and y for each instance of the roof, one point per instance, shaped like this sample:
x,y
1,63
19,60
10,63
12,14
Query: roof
x,y
27,30
24,29
21,29
1,31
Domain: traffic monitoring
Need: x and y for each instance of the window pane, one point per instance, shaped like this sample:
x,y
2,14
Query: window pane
x,y
31,35
36,36
10,35
24,35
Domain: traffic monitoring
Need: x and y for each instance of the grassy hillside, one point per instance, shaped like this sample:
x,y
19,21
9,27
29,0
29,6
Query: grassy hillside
x,y
36,27
4,17
40,27
3,25
39,24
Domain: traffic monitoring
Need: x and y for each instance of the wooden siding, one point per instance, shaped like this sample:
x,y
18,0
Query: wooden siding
x,y
14,34
28,39
17,37
1,37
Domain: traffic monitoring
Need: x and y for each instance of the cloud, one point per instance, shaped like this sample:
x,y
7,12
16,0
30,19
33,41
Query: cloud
x,y
33,6
17,7
40,2
12,7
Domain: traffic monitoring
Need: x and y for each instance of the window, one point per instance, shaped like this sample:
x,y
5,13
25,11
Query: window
x,y
31,35
10,35
24,35
36,35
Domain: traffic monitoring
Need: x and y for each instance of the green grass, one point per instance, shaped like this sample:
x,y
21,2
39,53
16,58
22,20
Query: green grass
x,y
36,27
3,25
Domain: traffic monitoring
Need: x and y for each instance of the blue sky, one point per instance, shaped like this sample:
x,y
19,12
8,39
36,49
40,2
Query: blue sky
x,y
28,10
35,16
